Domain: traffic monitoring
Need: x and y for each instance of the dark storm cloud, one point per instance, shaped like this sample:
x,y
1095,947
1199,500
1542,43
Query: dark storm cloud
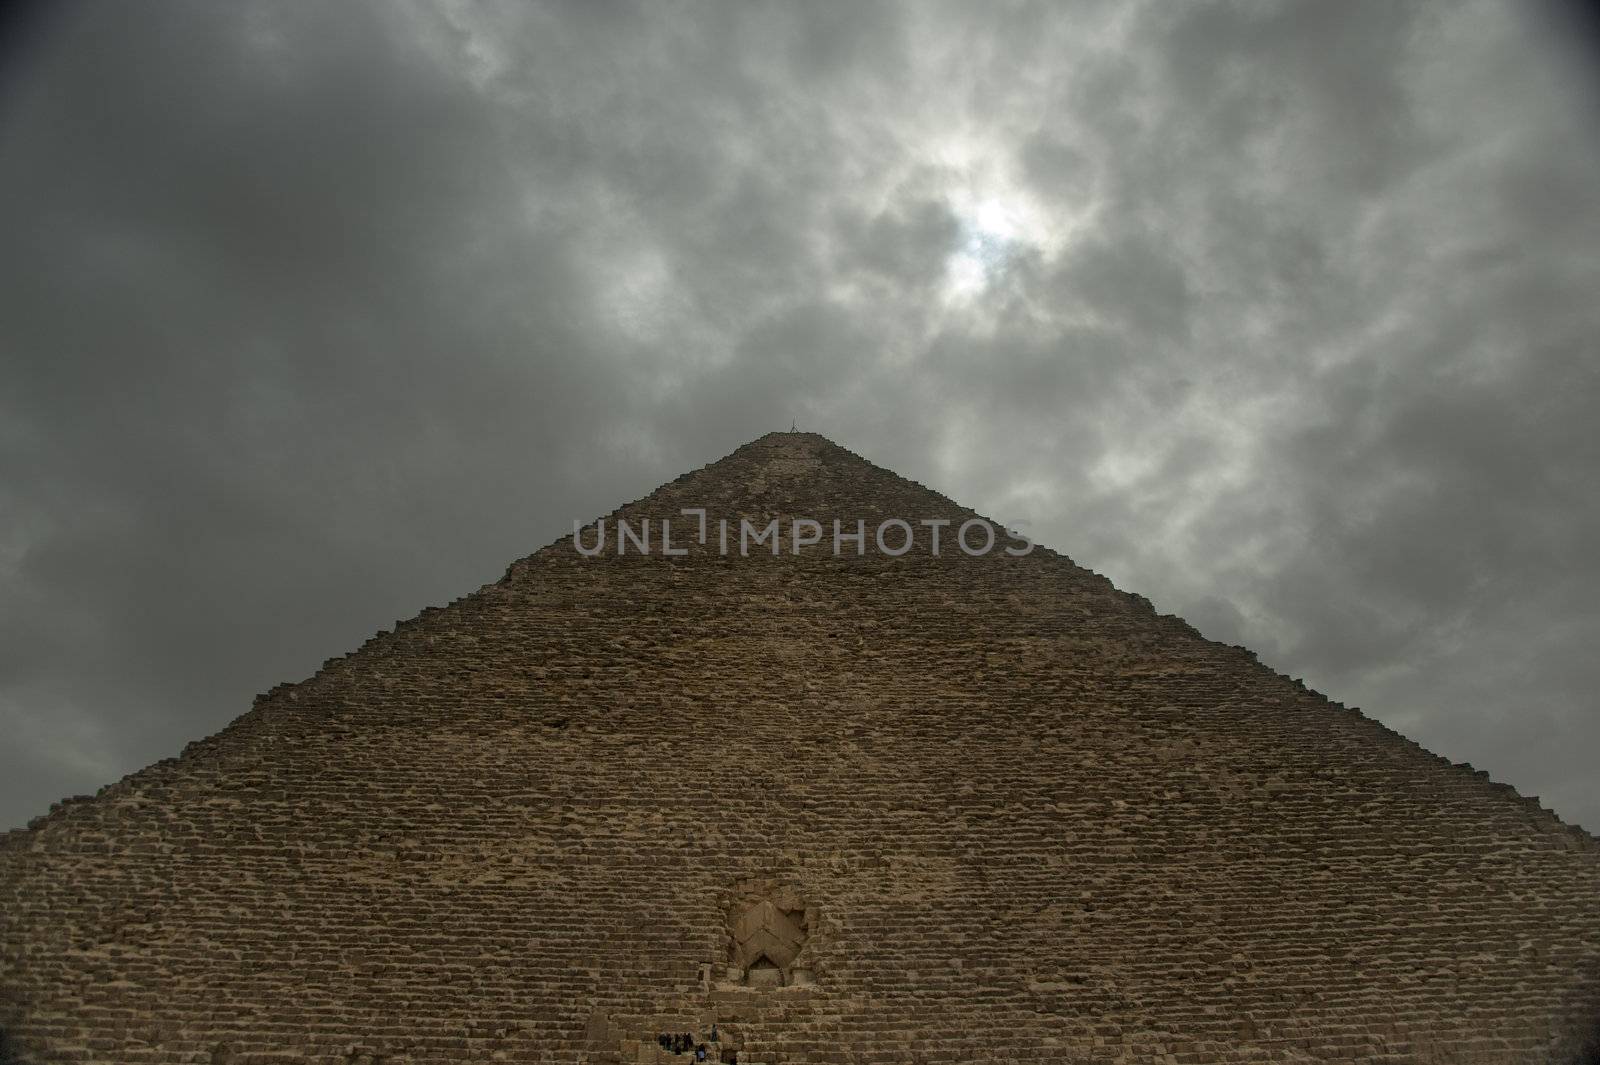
x,y
1281,314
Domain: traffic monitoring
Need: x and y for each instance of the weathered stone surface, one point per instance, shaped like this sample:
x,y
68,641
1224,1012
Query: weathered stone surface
x,y
1022,817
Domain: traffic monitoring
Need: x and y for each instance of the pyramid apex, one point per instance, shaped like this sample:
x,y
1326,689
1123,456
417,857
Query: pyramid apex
x,y
792,434
800,485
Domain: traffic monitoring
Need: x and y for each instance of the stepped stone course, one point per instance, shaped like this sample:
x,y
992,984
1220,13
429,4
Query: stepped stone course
x,y
967,809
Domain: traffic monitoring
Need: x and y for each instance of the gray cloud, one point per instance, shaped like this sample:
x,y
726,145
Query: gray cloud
x,y
1282,315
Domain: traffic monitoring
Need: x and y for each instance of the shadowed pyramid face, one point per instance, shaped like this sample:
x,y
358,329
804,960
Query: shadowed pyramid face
x,y
987,806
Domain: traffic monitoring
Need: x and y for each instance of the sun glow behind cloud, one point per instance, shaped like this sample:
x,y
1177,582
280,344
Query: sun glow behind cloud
x,y
1000,219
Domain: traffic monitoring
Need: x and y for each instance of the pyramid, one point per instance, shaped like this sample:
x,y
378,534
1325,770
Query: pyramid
x,y
853,806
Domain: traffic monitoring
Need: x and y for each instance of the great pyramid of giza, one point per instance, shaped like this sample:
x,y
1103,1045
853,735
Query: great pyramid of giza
x,y
864,807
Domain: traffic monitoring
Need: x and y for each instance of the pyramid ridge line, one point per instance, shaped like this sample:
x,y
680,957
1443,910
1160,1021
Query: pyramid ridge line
x,y
335,668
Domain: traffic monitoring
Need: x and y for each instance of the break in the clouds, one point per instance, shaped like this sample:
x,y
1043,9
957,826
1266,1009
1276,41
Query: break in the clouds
x,y
1283,315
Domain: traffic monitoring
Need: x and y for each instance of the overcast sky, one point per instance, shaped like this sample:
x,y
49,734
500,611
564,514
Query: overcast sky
x,y
315,314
